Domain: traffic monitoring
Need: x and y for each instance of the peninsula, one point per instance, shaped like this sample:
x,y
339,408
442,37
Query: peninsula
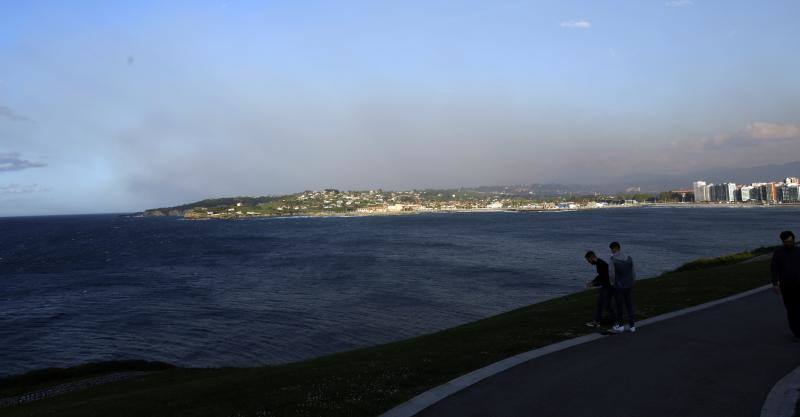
x,y
509,198
376,202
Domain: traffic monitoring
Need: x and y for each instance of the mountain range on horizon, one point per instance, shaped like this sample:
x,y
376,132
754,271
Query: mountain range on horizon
x,y
738,175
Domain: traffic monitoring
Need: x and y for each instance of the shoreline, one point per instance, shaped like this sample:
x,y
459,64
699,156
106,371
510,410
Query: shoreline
x,y
374,379
488,210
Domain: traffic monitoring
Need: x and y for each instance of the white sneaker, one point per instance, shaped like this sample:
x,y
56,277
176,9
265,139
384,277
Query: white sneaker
x,y
592,324
632,329
617,329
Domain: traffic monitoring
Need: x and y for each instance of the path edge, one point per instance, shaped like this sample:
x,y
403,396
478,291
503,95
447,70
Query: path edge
x,y
434,395
782,399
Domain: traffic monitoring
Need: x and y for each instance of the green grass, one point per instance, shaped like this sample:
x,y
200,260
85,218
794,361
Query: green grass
x,y
704,263
20,384
369,381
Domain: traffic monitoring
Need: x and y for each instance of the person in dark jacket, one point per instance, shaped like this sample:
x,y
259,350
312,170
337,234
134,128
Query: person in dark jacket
x,y
785,270
622,276
605,291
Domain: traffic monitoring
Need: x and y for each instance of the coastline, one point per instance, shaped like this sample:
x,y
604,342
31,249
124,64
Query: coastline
x,y
486,210
370,380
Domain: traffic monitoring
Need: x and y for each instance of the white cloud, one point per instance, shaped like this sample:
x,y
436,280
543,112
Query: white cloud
x,y
7,113
576,24
12,162
21,189
753,134
679,3
772,131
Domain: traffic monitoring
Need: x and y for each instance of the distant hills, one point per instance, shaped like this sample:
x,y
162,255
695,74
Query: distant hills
x,y
209,202
645,183
653,183
530,191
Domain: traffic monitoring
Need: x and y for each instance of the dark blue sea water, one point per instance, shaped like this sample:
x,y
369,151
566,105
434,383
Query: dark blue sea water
x,y
209,293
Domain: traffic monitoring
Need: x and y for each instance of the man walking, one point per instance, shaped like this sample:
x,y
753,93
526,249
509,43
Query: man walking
x,y
604,292
622,276
785,269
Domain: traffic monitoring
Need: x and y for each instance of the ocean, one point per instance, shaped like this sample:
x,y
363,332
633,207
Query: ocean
x,y
75,289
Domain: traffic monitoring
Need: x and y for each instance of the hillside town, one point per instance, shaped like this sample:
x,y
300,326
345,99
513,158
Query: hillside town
x,y
332,202
378,202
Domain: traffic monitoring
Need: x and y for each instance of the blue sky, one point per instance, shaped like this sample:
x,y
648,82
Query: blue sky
x,y
121,106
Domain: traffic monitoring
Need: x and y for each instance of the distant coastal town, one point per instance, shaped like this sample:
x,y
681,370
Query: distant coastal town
x,y
333,202
785,191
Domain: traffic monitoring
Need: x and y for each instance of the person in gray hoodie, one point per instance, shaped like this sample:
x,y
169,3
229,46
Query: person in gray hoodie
x,y
622,276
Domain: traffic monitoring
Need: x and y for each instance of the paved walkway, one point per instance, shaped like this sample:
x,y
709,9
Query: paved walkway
x,y
722,361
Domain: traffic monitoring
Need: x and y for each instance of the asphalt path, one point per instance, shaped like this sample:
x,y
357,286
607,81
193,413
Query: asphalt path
x,y
722,361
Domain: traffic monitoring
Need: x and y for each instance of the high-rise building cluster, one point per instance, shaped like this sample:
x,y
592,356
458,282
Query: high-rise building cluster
x,y
787,191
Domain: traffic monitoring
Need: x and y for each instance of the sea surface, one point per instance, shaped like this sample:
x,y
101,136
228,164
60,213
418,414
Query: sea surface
x,y
75,289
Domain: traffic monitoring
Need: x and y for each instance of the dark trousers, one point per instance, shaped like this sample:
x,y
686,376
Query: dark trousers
x,y
624,297
604,297
791,299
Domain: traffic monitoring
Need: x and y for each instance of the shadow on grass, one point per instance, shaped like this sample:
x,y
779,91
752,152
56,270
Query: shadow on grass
x,y
17,384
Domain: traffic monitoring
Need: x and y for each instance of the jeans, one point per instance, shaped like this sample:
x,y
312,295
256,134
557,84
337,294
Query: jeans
x,y
790,292
604,297
624,297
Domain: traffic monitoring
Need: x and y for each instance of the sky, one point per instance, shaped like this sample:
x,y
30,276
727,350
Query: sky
x,y
123,106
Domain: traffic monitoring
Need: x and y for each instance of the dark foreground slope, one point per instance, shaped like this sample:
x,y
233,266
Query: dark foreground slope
x,y
366,382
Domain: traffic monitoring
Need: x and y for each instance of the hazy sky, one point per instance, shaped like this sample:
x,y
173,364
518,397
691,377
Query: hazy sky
x,y
121,106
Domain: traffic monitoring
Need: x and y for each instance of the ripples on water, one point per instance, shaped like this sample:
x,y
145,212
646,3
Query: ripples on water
x,y
238,293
